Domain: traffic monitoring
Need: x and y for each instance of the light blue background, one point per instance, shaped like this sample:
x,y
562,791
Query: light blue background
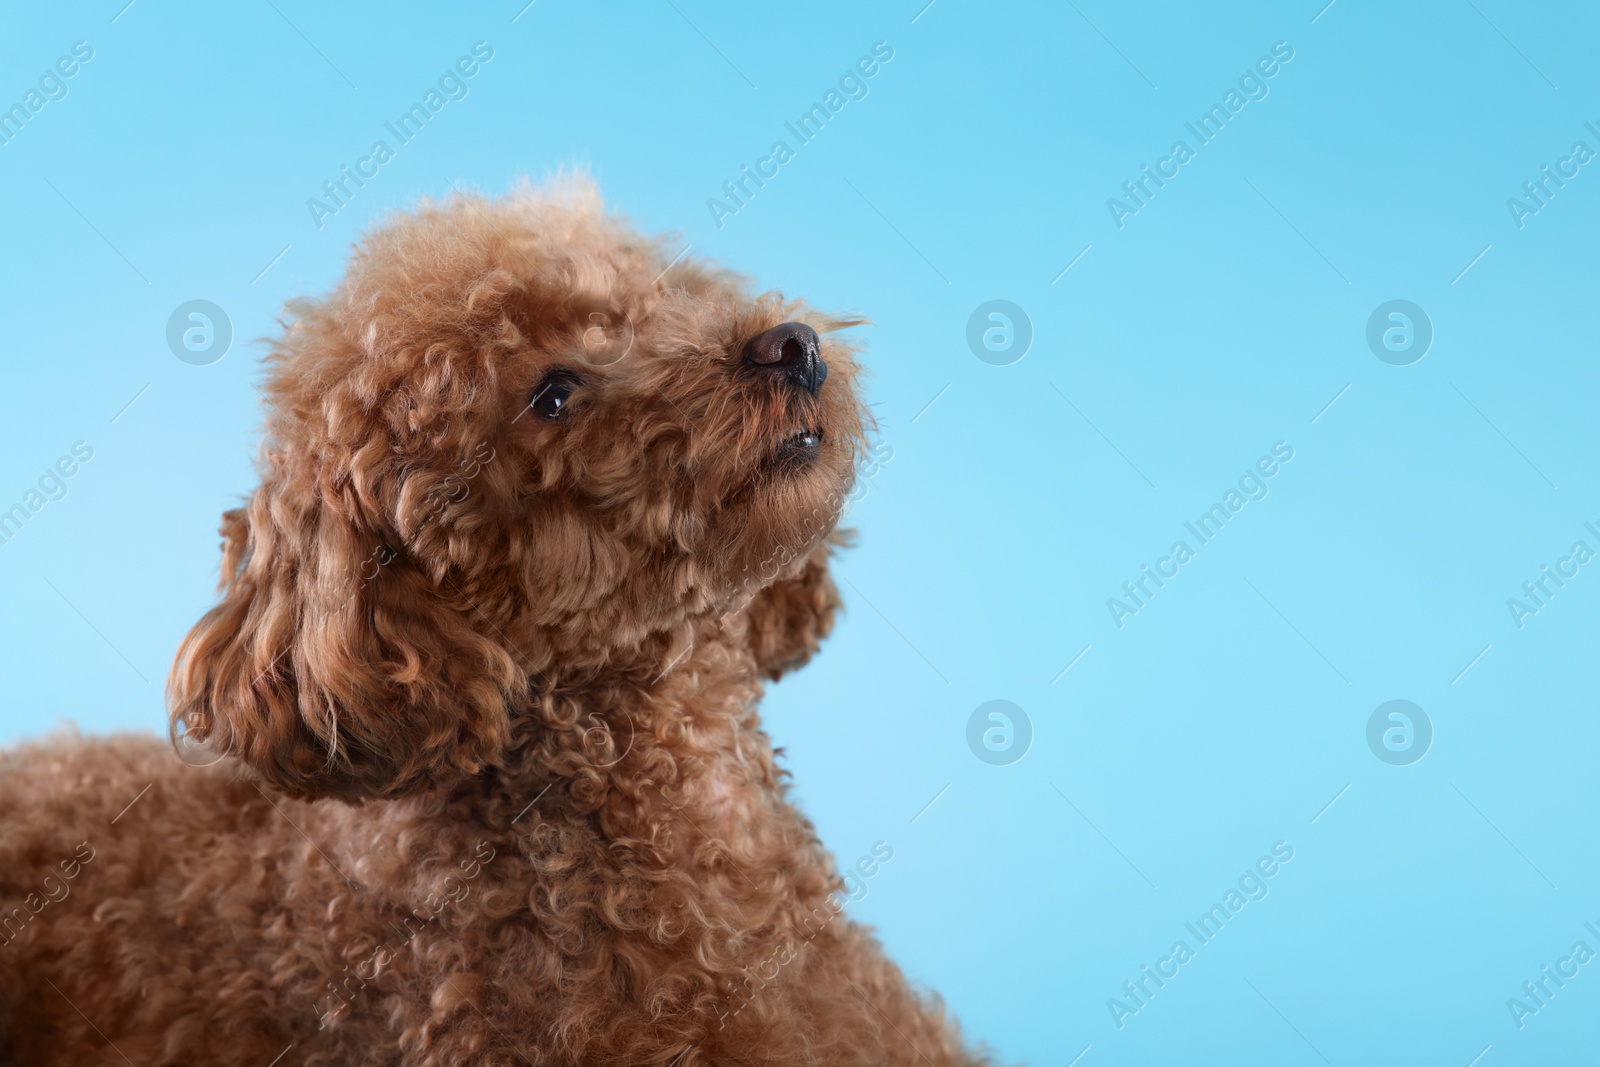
x,y
1222,318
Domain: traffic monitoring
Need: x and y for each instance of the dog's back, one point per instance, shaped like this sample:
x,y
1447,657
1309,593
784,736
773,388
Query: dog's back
x,y
115,862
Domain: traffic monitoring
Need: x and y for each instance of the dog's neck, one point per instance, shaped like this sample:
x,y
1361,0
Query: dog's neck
x,y
690,728
669,777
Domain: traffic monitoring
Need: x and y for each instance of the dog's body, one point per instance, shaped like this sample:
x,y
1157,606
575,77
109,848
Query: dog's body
x,y
471,766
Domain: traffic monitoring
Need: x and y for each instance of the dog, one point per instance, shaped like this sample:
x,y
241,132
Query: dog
x,y
466,762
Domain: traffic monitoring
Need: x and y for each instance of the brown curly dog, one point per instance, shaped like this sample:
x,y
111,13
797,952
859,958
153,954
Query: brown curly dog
x,y
469,768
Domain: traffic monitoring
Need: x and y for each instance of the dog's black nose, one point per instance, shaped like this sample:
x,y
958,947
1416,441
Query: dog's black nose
x,y
791,348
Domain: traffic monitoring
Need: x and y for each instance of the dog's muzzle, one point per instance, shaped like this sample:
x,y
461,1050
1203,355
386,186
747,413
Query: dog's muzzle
x,y
793,350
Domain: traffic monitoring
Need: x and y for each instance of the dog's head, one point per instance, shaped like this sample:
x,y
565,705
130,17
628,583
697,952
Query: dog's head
x,y
517,442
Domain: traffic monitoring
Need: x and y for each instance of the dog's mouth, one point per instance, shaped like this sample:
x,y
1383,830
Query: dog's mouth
x,y
799,449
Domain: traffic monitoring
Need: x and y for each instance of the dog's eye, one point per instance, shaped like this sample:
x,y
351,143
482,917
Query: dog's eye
x,y
553,397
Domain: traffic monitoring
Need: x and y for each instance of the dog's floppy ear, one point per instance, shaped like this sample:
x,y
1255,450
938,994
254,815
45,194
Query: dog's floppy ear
x,y
333,666
786,621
